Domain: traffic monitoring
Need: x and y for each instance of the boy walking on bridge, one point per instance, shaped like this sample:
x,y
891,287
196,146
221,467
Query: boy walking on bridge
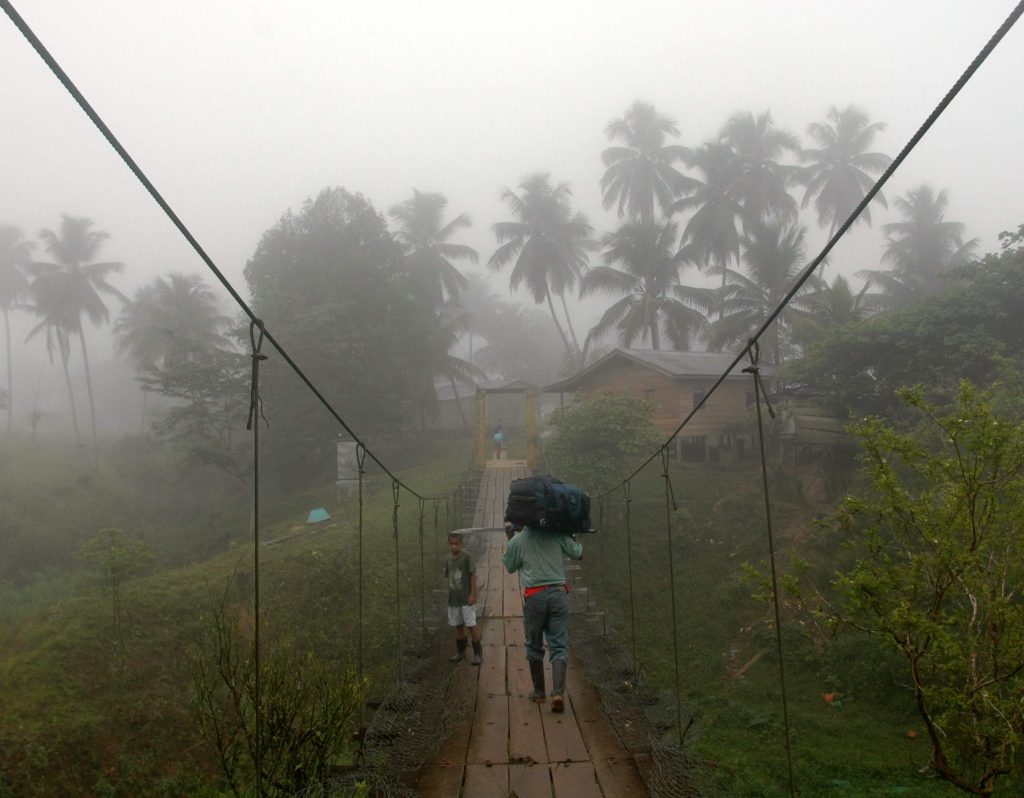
x,y
461,575
539,557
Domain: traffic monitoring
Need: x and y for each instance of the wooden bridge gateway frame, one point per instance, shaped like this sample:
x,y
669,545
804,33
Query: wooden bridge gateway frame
x,y
482,437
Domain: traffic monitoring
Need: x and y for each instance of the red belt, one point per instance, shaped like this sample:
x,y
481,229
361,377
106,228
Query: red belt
x,y
529,591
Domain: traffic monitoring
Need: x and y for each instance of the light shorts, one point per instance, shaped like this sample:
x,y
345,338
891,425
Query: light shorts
x,y
462,616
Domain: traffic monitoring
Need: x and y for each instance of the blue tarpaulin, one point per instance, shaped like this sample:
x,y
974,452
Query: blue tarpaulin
x,y
317,515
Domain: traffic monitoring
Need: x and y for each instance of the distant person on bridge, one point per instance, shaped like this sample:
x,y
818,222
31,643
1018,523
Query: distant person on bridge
x,y
461,575
499,440
539,557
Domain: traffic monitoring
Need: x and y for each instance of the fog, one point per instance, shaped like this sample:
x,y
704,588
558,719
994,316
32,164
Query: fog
x,y
238,112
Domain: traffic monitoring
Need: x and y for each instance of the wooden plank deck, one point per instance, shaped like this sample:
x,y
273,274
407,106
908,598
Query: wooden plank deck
x,y
510,745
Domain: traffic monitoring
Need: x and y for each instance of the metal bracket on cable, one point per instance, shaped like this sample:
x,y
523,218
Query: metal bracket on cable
x,y
754,353
255,402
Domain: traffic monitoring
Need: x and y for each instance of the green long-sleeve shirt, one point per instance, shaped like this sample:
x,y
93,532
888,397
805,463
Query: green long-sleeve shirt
x,y
540,556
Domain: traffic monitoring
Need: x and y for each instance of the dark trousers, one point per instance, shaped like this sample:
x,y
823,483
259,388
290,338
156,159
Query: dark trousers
x,y
546,615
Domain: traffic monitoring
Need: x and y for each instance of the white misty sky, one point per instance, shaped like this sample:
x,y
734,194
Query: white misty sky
x,y
240,110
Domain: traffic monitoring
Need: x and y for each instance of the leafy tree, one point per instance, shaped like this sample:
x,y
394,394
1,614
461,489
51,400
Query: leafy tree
x,y
649,276
330,284
839,174
936,536
973,334
211,404
547,241
428,251
922,247
308,709
73,286
117,557
642,173
596,441
15,257
774,255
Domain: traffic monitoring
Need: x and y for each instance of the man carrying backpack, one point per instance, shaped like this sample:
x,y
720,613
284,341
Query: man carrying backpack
x,y
539,557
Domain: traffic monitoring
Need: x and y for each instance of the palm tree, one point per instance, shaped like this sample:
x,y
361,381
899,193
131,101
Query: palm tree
x,y
840,172
57,338
71,287
521,344
548,243
650,272
762,187
826,305
711,238
479,304
449,324
641,173
921,248
15,256
774,255
169,322
425,237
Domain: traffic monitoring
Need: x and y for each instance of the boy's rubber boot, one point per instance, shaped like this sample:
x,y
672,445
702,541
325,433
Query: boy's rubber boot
x,y
478,653
558,685
537,673
460,654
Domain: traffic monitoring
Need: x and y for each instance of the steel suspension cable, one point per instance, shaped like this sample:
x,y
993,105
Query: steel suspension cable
x,y
255,413
361,464
603,567
423,576
629,567
805,275
759,397
670,505
100,125
395,491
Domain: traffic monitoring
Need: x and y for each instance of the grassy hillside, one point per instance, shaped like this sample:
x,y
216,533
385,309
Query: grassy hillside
x,y
854,730
87,711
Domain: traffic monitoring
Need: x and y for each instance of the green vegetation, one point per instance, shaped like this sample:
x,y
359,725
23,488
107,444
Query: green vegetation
x,y
74,719
596,442
936,537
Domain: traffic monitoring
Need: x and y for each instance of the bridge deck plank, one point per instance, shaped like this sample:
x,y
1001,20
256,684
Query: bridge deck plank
x,y
510,745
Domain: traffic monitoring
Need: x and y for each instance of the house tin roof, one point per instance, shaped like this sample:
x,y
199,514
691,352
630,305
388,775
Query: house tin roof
x,y
670,363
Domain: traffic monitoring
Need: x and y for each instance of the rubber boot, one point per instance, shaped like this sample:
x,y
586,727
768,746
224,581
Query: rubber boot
x,y
537,672
558,685
478,652
460,654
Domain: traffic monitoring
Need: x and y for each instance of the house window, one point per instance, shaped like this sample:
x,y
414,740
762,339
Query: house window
x,y
698,397
649,394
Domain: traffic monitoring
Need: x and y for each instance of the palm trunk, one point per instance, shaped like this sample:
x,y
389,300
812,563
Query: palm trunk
x,y
142,421
92,401
655,335
458,404
568,321
554,318
64,355
10,377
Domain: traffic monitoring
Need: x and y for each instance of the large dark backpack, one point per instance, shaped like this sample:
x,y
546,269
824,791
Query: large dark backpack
x,y
546,503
